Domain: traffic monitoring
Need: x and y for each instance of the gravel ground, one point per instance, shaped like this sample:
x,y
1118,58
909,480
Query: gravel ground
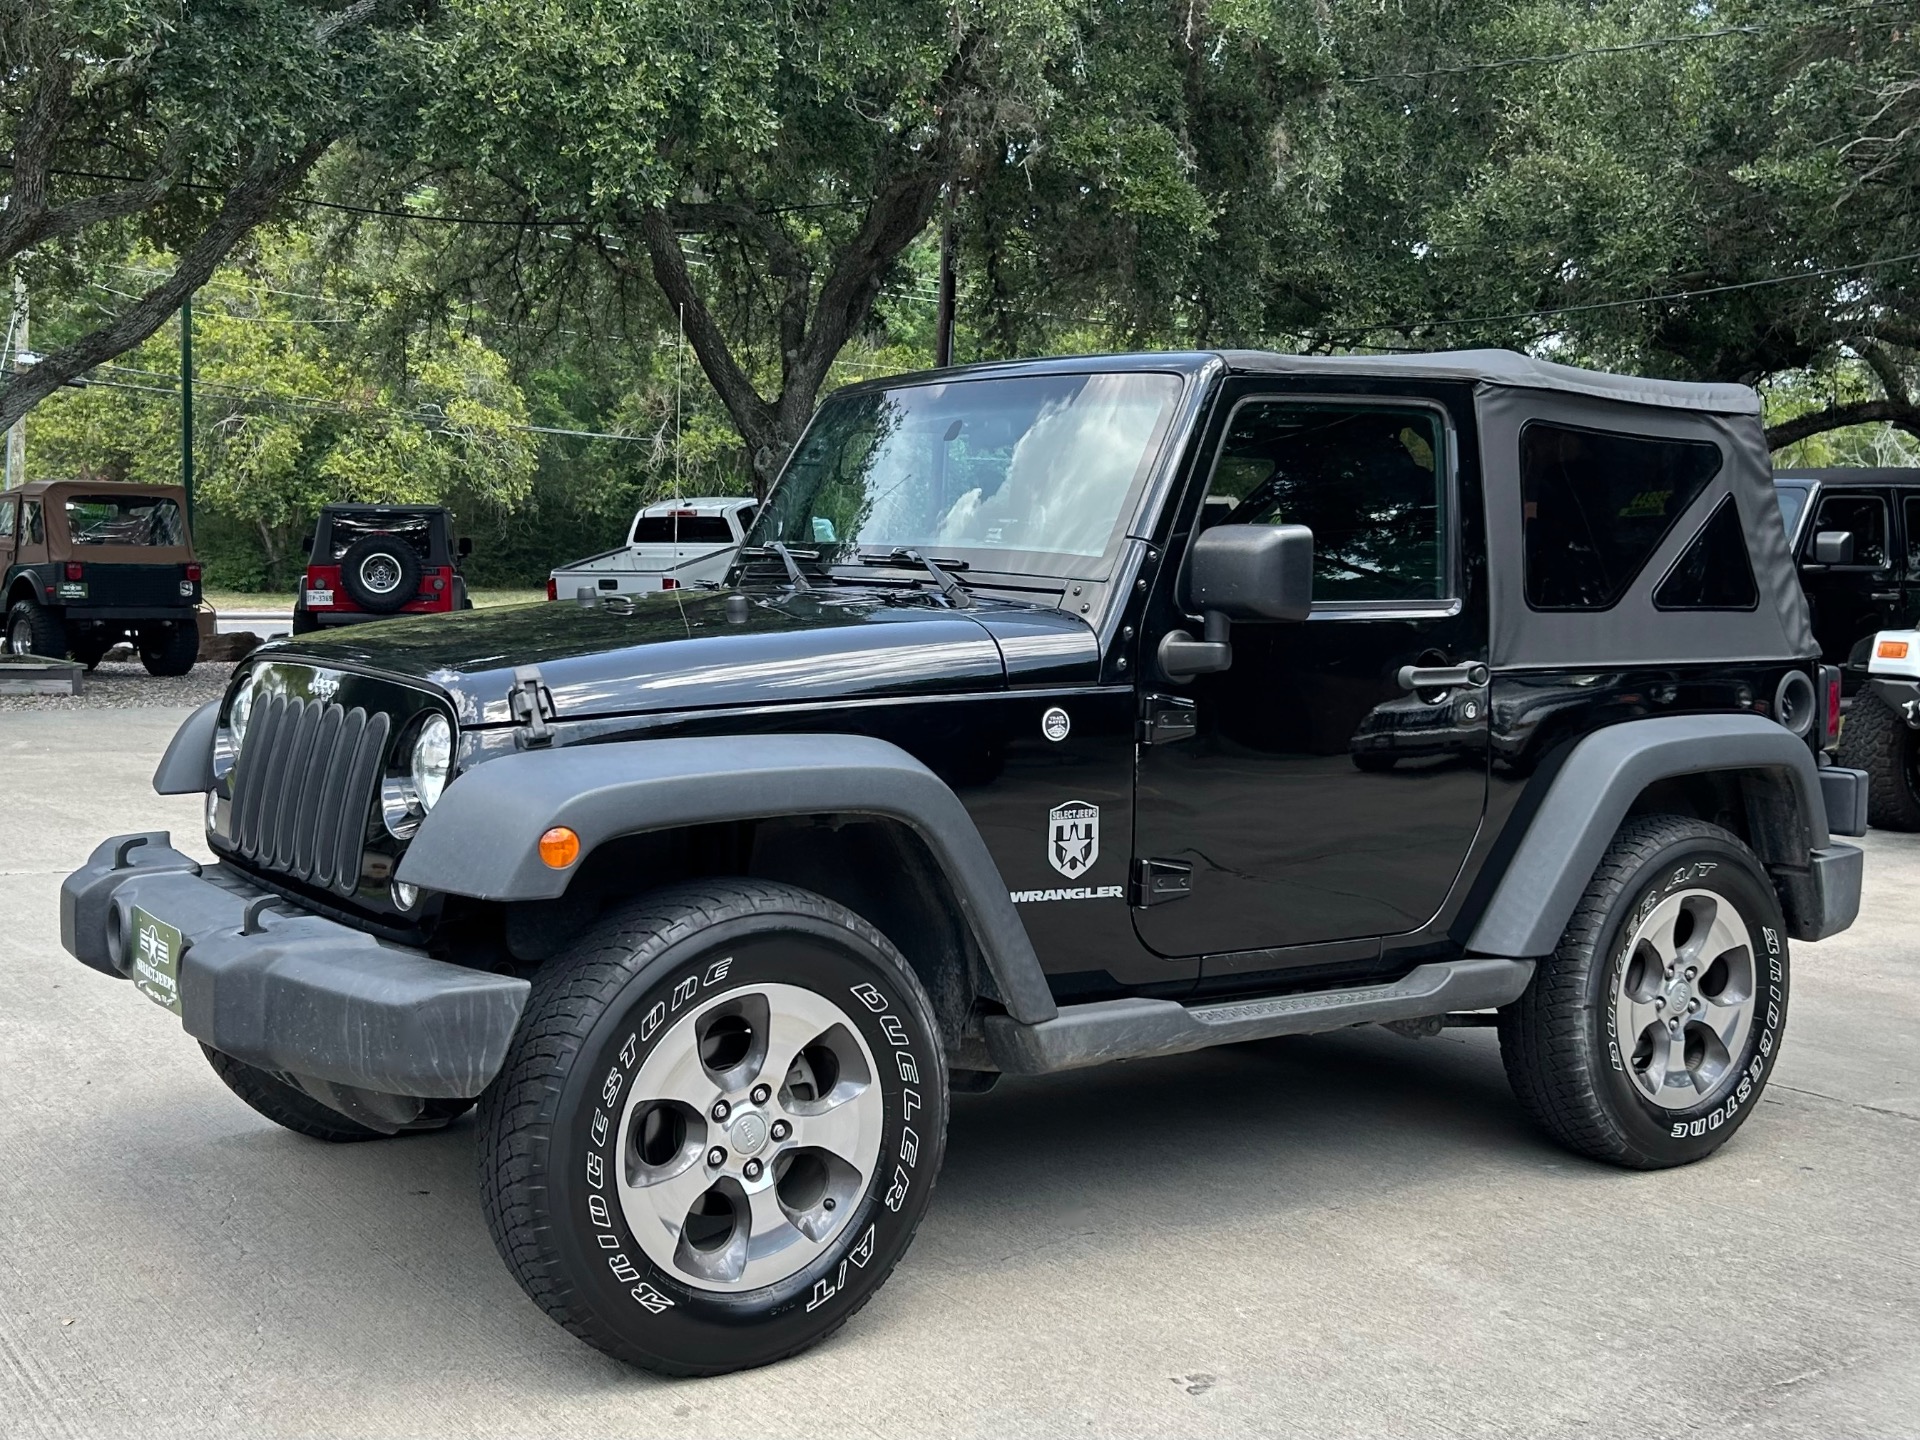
x,y
129,687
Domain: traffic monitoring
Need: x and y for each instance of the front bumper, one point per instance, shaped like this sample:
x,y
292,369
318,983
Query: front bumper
x,y
289,991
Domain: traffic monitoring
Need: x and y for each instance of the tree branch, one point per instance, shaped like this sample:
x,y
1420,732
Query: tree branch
x,y
267,179
1892,383
754,417
1837,417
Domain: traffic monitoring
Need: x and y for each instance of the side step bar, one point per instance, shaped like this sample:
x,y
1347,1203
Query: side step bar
x,y
1083,1035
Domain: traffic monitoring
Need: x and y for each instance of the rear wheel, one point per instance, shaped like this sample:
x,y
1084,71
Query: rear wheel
x,y
1878,740
170,647
718,1128
32,629
1646,1038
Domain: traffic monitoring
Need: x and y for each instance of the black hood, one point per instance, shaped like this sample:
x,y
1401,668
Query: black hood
x,y
681,652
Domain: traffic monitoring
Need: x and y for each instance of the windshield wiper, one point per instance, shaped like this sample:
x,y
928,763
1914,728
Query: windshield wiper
x,y
956,594
778,548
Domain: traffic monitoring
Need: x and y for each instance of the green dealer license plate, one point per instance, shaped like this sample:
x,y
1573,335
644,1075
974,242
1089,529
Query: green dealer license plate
x,y
156,959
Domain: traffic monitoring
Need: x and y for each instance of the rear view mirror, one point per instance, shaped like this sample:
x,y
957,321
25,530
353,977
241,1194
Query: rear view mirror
x,y
465,546
1833,547
1239,572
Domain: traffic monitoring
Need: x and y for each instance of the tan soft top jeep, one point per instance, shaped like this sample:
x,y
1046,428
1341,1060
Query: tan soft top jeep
x,y
90,563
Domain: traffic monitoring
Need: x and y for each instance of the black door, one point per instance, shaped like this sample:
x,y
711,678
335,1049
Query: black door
x,y
1849,602
1318,798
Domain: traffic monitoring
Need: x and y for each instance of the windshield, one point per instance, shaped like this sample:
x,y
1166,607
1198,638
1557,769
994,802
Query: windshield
x,y
1793,499
123,520
1035,473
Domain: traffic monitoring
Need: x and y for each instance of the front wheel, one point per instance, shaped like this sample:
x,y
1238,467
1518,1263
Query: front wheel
x,y
1646,1038
1878,740
718,1128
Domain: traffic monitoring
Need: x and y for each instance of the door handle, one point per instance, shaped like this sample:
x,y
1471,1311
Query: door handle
x,y
1442,677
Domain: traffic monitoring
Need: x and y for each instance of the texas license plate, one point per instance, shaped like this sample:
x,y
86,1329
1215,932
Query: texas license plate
x,y
156,959
319,597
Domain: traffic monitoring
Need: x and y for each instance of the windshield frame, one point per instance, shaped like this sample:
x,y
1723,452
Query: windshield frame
x,y
996,565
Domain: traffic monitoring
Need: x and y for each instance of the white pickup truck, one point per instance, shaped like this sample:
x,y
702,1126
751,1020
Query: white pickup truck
x,y
673,545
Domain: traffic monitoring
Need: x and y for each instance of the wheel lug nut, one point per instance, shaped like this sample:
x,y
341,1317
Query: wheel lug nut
x,y
1659,1002
751,1169
1691,972
721,1110
828,1203
1674,1024
781,1129
761,1094
716,1156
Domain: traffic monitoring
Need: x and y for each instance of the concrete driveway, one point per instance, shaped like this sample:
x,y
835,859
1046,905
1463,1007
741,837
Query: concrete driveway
x,y
1354,1235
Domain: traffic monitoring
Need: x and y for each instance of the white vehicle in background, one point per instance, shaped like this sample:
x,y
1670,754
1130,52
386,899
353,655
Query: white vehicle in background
x,y
674,545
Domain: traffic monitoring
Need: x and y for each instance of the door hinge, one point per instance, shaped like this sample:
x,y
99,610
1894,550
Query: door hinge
x,y
1166,719
531,704
1155,882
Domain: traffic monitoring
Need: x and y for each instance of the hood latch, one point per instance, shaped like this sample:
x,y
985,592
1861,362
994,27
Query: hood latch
x,y
531,703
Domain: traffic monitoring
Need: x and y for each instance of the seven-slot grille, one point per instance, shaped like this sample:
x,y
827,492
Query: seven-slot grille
x,y
303,787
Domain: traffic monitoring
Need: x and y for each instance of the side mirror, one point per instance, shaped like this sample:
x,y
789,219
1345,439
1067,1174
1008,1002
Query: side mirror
x,y
466,546
1239,572
1833,547
306,543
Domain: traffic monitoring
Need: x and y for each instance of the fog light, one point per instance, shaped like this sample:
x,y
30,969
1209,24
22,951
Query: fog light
x,y
559,847
404,895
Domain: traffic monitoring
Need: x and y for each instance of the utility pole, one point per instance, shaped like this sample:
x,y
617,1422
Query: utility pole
x,y
186,404
18,344
943,316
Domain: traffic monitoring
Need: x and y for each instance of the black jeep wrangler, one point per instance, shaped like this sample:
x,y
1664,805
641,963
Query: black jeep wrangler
x,y
1054,713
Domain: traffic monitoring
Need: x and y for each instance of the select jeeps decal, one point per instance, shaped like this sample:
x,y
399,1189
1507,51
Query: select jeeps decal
x,y
1073,837
1073,844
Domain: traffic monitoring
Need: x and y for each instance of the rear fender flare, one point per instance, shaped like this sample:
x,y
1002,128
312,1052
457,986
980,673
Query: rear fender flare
x,y
482,838
1553,857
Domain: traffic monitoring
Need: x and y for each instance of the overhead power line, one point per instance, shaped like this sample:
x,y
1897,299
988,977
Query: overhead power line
x,y
1452,322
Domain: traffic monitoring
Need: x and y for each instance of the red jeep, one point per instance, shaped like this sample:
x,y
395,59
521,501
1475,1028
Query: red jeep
x,y
369,562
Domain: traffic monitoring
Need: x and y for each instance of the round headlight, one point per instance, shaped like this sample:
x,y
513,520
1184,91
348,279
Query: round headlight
x,y
432,759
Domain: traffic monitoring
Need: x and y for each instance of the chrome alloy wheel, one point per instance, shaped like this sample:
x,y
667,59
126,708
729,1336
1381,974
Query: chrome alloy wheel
x,y
380,574
1685,999
749,1135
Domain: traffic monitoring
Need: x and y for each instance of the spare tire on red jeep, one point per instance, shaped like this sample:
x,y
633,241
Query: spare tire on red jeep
x,y
381,573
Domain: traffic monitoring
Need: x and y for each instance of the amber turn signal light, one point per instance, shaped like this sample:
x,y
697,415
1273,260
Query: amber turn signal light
x,y
559,847
1891,650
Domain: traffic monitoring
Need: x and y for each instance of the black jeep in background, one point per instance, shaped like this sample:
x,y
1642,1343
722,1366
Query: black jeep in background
x,y
1856,539
1053,713
372,562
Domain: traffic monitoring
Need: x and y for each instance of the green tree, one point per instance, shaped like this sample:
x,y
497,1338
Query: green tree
x,y
181,123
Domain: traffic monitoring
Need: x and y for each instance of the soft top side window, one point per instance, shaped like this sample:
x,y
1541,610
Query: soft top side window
x,y
1368,480
1596,505
30,528
7,508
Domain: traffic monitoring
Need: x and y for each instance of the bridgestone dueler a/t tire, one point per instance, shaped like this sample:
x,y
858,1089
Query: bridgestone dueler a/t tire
x,y
551,1123
1875,739
1569,1072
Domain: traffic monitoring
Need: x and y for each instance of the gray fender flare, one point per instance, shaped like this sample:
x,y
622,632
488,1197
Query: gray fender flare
x,y
187,767
1590,794
482,838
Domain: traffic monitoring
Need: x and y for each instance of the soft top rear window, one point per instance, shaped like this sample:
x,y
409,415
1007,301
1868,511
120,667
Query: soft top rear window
x,y
124,520
1596,504
344,531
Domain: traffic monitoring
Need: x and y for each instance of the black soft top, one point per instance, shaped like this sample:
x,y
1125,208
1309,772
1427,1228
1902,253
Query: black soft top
x,y
426,529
